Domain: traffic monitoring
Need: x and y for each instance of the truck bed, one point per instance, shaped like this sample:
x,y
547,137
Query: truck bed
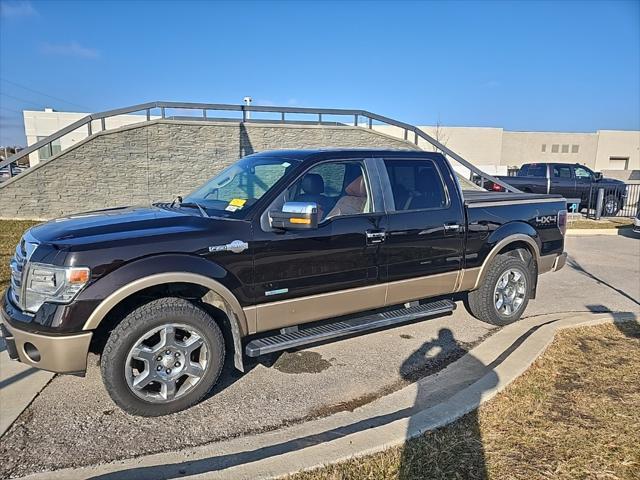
x,y
472,197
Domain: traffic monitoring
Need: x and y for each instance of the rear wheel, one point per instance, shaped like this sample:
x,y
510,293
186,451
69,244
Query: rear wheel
x,y
162,358
505,292
611,206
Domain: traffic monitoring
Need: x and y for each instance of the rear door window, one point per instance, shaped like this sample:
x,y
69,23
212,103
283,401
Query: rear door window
x,y
562,171
416,184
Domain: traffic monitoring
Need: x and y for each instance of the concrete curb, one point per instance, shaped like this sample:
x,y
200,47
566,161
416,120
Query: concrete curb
x,y
460,388
580,232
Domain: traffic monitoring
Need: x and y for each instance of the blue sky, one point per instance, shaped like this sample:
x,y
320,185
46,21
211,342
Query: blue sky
x,y
567,66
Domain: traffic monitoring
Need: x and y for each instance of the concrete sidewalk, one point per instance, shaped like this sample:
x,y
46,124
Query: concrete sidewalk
x,y
19,385
425,405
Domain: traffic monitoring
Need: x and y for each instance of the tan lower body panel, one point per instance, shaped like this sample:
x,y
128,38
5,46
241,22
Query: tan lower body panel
x,y
421,287
546,263
63,354
468,279
296,311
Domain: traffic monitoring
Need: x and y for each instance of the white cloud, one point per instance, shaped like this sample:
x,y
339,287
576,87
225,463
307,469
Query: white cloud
x,y
17,9
72,49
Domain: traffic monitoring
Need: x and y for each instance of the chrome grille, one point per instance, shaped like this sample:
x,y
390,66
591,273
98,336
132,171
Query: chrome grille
x,y
18,265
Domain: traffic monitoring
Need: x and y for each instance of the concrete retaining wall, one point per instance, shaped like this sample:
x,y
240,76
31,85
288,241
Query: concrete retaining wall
x,y
158,160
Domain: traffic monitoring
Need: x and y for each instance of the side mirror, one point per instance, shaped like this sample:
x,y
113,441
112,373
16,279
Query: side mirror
x,y
295,216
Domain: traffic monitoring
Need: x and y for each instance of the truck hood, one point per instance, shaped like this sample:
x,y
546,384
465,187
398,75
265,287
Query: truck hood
x,y
610,181
124,223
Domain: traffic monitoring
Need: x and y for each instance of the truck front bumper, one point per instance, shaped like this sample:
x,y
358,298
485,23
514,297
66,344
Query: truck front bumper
x,y
55,353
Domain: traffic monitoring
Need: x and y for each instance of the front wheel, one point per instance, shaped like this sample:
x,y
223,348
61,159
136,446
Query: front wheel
x,y
163,357
505,292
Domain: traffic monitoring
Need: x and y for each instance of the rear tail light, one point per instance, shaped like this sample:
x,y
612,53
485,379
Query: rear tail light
x,y
562,221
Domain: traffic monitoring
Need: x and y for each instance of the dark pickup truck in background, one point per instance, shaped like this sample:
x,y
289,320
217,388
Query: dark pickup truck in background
x,y
280,250
572,181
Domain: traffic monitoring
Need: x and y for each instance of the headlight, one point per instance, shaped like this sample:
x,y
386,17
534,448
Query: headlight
x,y
46,283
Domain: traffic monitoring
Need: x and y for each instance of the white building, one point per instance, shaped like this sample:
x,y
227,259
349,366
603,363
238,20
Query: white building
x,y
614,152
40,124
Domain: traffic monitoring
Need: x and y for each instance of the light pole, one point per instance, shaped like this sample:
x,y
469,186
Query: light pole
x,y
247,101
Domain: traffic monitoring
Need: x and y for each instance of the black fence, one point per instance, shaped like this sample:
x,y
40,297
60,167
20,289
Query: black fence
x,y
614,201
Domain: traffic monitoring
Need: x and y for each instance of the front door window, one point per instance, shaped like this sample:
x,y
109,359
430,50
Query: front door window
x,y
338,188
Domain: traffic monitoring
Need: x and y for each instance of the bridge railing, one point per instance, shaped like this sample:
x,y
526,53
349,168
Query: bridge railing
x,y
97,122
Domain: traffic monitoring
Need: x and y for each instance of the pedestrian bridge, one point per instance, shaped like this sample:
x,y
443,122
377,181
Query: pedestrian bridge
x,y
175,147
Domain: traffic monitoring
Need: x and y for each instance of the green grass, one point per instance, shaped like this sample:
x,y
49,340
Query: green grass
x,y
10,233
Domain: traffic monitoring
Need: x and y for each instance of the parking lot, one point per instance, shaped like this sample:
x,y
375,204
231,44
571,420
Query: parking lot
x,y
74,415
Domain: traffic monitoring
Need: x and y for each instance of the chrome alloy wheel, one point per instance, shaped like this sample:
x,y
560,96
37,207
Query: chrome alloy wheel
x,y
610,206
166,363
510,291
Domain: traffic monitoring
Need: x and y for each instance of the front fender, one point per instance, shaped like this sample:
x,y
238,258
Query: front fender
x,y
136,276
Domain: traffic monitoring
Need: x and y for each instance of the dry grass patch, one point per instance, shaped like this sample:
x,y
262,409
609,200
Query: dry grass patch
x,y
575,414
10,233
613,222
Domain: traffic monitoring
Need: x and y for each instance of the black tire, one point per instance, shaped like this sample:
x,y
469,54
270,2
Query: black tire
x,y
153,315
481,302
611,206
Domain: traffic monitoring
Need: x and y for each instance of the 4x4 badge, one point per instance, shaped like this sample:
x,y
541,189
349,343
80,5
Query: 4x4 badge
x,y
237,246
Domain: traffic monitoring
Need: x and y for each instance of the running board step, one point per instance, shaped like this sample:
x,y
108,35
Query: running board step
x,y
320,333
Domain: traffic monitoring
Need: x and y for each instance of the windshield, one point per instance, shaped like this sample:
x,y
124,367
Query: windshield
x,y
236,189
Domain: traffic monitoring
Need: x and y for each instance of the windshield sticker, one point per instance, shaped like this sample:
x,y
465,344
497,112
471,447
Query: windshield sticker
x,y
235,204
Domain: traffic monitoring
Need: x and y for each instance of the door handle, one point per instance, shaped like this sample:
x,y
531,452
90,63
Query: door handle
x,y
375,236
451,228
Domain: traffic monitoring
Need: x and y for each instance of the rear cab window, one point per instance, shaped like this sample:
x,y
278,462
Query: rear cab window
x,y
533,170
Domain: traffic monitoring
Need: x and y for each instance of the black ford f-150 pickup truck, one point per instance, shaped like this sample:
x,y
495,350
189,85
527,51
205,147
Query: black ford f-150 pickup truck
x,y
280,250
572,181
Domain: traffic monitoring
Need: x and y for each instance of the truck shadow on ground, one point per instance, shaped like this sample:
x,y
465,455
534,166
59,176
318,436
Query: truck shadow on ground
x,y
417,459
575,265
